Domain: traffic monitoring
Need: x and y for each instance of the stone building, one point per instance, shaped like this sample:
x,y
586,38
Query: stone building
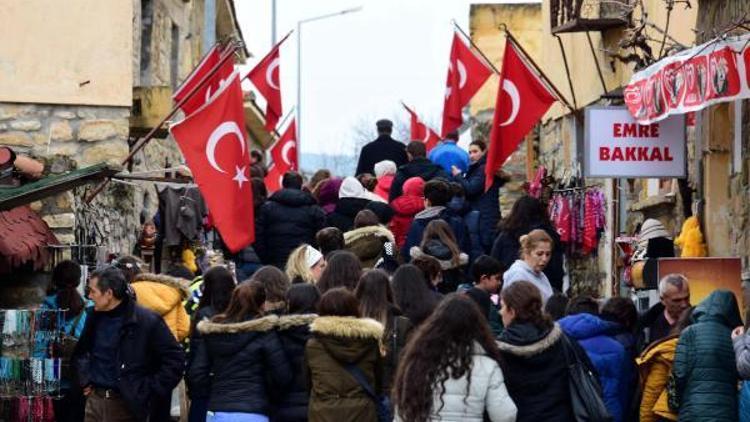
x,y
89,80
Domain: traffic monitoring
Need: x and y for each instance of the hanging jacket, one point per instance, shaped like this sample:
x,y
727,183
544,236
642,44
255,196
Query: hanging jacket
x,y
506,249
290,404
608,356
335,396
243,363
486,202
704,373
288,219
451,268
405,207
164,295
654,365
367,243
418,167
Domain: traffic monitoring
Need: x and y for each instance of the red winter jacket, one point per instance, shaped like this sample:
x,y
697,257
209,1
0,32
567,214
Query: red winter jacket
x,y
405,207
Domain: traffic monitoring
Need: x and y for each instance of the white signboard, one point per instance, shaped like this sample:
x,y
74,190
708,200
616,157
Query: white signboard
x,y
618,146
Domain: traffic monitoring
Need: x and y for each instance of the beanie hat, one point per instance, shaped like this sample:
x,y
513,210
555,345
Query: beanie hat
x,y
384,167
651,229
312,256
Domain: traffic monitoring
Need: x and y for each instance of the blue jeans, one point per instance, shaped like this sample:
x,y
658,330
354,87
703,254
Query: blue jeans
x,y
235,417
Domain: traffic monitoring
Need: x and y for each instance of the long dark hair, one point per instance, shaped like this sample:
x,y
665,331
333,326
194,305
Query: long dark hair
x,y
374,295
302,298
218,285
440,230
527,212
411,295
339,301
66,276
246,303
275,282
526,300
343,269
442,348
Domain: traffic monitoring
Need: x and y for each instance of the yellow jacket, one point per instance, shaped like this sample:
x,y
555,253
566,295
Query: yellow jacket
x,y
654,365
164,294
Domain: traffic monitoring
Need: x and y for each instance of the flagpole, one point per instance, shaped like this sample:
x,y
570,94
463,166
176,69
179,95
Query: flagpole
x,y
278,134
476,47
142,142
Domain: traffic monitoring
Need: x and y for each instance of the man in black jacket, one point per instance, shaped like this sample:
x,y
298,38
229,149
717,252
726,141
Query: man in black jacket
x,y
288,219
382,148
418,165
126,355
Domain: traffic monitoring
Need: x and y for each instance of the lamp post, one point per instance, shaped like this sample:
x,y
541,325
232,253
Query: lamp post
x,y
299,67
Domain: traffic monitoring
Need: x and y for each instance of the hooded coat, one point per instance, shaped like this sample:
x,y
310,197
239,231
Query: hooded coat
x,y
451,268
654,365
383,188
536,373
367,243
288,219
704,373
608,356
335,396
164,295
405,207
486,202
418,167
243,363
290,404
423,218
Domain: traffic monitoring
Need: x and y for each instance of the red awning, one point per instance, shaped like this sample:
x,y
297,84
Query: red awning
x,y
24,237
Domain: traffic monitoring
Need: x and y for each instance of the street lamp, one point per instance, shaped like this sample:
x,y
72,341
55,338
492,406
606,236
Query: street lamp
x,y
299,67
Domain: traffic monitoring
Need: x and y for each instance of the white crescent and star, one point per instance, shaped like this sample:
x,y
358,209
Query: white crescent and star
x,y
515,98
223,129
461,76
269,74
285,151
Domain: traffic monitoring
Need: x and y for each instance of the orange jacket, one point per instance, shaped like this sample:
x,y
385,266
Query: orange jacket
x,y
164,294
654,365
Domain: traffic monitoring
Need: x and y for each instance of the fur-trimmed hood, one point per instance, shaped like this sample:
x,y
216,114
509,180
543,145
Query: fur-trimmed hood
x,y
532,349
347,327
182,285
286,322
266,323
362,232
445,264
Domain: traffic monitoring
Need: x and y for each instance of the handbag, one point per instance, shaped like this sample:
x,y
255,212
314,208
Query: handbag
x,y
585,390
382,403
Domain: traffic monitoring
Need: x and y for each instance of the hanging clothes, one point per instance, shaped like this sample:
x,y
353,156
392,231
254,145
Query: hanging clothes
x,y
578,215
181,213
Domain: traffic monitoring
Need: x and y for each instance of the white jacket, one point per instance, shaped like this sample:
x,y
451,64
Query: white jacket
x,y
521,271
487,392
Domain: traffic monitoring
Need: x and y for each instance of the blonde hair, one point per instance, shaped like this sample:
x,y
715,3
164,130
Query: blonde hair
x,y
530,240
296,265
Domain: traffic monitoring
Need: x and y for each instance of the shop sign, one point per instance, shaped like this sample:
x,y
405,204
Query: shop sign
x,y
715,72
616,145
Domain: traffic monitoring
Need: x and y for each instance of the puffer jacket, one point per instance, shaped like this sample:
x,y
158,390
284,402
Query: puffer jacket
x,y
654,365
343,214
290,405
704,374
367,243
607,355
452,270
288,219
242,362
405,207
164,295
486,202
486,391
418,167
335,396
536,373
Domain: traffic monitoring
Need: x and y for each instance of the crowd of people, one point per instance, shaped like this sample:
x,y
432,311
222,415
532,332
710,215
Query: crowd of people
x,y
399,294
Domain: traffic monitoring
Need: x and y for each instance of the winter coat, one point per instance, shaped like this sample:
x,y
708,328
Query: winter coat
x,y
449,154
486,393
394,342
196,342
242,362
149,361
470,217
521,271
418,167
288,219
343,215
486,202
406,207
384,185
367,243
452,271
506,249
608,356
382,148
291,404
654,365
536,373
164,295
335,396
704,373
423,218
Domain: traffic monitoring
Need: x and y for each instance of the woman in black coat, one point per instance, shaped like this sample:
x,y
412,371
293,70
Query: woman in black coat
x,y
241,358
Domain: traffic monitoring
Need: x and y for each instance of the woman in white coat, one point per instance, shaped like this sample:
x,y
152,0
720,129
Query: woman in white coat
x,y
450,370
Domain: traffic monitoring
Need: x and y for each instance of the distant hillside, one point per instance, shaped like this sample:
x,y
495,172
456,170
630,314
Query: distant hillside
x,y
340,165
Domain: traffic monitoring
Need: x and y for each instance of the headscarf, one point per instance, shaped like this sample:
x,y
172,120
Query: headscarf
x,y
351,188
329,194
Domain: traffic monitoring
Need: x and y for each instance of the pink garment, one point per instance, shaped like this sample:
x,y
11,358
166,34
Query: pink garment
x,y
384,186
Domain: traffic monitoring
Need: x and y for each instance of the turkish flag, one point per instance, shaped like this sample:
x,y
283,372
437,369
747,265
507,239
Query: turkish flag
x,y
214,144
265,77
274,176
466,74
203,94
519,89
284,151
421,132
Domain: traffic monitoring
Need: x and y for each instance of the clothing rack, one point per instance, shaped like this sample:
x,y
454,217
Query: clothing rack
x,y
576,188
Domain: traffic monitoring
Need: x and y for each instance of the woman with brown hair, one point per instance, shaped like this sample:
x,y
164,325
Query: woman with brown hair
x,y
367,238
536,371
536,250
343,269
451,369
439,242
241,359
343,361
275,284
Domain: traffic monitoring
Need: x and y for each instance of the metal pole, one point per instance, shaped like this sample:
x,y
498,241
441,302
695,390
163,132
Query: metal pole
x,y
299,90
476,47
273,22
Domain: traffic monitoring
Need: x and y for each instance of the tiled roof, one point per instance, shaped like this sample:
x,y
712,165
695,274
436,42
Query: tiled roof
x,y
24,237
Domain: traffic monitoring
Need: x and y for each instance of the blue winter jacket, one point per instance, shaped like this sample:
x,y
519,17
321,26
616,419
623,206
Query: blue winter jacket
x,y
487,203
449,154
608,356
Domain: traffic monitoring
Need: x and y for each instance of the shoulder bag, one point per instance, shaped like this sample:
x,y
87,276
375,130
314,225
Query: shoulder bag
x,y
585,390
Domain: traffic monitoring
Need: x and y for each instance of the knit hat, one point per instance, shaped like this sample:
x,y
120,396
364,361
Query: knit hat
x,y
414,186
312,256
651,229
384,167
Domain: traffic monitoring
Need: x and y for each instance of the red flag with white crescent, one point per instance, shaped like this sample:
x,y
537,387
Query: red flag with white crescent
x,y
214,144
203,94
421,132
522,99
466,74
265,77
284,151
273,178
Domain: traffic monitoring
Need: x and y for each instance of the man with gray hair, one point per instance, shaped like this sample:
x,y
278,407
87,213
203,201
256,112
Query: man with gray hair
x,y
657,322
